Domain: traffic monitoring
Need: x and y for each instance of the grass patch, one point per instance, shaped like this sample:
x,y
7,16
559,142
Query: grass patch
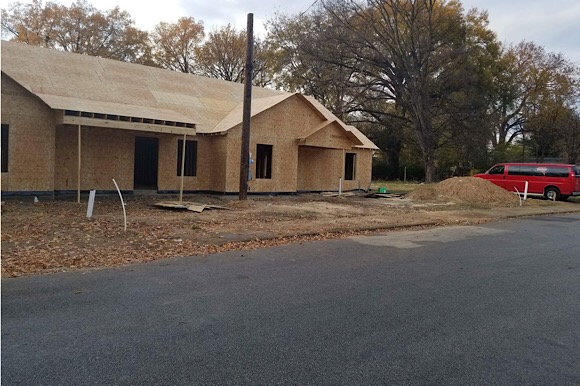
x,y
396,187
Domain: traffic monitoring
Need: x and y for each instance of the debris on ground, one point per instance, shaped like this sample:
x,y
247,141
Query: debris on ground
x,y
336,194
186,205
465,189
55,236
383,195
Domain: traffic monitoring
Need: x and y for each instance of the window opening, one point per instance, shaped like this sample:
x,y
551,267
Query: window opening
x,y
190,158
264,161
4,149
349,166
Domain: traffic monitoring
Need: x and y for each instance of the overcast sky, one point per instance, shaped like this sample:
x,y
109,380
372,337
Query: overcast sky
x,y
553,24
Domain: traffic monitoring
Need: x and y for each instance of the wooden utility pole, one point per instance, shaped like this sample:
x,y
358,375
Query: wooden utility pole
x,y
245,152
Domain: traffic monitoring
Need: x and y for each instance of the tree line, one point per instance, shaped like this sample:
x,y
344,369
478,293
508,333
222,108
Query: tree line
x,y
426,80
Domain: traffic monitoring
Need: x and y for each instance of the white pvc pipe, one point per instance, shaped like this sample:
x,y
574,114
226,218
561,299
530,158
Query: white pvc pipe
x,y
91,203
526,190
339,185
519,196
122,203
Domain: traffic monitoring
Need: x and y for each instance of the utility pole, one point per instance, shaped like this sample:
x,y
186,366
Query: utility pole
x,y
245,152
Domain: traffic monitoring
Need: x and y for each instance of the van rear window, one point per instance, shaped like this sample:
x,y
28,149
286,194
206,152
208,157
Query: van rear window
x,y
538,171
521,170
557,172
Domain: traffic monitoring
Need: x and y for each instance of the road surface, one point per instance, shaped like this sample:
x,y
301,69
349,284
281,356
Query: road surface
x,y
492,304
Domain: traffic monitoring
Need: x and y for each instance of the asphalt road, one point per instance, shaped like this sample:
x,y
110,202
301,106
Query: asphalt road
x,y
496,304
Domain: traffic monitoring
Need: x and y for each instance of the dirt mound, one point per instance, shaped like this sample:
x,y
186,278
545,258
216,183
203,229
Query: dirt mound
x,y
465,189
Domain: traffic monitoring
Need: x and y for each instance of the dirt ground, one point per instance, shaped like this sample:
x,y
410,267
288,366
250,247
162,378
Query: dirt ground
x,y
54,236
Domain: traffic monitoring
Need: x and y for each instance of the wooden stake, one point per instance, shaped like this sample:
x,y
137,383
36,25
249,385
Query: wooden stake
x,y
79,168
245,148
182,168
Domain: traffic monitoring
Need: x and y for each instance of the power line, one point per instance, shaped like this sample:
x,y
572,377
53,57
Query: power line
x,y
307,9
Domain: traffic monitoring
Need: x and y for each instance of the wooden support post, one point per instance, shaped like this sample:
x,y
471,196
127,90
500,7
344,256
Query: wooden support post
x,y
245,148
182,167
79,167
343,175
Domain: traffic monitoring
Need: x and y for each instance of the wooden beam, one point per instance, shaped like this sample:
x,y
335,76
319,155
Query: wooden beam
x,y
182,168
124,125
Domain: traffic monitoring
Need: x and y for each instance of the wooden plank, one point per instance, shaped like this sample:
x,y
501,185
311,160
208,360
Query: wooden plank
x,y
383,195
185,205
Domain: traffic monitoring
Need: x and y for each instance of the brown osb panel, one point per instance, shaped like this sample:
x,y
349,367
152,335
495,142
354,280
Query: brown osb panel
x,y
332,136
217,161
105,154
31,140
363,170
211,157
319,168
364,167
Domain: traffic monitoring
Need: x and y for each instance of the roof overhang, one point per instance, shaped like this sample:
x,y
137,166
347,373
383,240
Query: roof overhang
x,y
72,111
123,125
366,143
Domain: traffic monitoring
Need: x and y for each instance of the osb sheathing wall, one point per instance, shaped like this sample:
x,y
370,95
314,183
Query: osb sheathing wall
x,y
363,170
279,126
321,169
332,136
105,154
31,140
211,164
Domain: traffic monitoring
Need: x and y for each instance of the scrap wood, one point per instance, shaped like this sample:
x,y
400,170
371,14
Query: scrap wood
x,y
216,207
186,205
382,195
336,194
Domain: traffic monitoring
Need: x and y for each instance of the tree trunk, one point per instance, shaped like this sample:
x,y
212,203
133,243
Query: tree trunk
x,y
426,136
394,155
430,167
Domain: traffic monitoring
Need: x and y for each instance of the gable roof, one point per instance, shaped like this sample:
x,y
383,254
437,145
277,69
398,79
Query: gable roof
x,y
69,81
235,116
350,135
365,142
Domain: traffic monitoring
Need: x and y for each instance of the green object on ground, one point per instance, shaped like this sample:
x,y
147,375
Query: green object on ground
x,y
382,190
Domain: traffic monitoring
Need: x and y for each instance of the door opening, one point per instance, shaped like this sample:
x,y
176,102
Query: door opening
x,y
146,163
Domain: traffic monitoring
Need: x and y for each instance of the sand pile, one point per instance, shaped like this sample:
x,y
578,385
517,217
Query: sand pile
x,y
465,189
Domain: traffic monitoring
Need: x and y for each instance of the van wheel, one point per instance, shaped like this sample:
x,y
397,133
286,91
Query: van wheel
x,y
552,193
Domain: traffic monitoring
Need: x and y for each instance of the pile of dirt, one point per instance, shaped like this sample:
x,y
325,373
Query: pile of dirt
x,y
465,189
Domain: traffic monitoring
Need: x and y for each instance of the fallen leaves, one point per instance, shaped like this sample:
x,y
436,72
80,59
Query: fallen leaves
x,y
56,236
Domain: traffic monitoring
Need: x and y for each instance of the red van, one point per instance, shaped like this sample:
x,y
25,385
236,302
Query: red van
x,y
553,181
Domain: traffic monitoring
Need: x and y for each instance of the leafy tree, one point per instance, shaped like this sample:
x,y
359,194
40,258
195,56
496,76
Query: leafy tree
x,y
223,56
174,44
80,28
417,54
524,76
570,140
310,55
